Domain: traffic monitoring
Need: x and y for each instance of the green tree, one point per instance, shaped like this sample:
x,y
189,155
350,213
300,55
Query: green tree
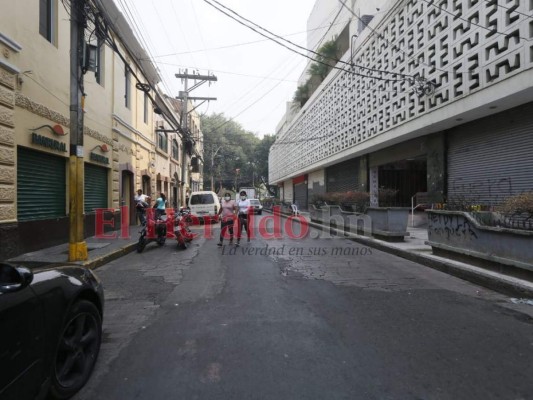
x,y
328,56
228,147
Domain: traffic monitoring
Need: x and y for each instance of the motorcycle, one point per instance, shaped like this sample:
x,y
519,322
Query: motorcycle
x,y
182,232
153,229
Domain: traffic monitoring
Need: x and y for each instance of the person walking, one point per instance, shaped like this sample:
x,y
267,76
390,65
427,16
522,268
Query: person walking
x,y
227,216
243,209
142,202
160,205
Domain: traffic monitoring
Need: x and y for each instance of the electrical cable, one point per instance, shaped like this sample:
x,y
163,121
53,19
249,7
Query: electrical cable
x,y
186,136
228,72
140,34
384,38
313,59
306,49
237,44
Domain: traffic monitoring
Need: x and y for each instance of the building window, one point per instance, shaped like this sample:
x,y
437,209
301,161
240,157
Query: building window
x,y
127,89
162,142
100,62
145,108
175,150
47,19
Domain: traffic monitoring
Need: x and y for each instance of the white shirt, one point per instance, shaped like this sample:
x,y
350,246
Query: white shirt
x,y
141,198
243,206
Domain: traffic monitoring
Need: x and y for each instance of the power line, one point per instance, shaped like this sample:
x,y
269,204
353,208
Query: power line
x,y
229,46
312,51
226,72
384,38
329,28
311,58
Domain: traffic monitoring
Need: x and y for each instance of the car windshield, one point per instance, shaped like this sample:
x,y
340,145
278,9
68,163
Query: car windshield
x,y
206,198
255,202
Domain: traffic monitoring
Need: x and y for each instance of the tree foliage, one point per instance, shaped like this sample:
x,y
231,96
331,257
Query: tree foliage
x,y
232,155
325,61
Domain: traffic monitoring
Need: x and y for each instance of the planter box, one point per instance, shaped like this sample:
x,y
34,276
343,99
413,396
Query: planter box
x,y
389,223
386,223
325,214
456,232
358,223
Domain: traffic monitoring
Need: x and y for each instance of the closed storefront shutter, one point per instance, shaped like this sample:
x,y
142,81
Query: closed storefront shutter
x,y
491,159
343,177
41,185
95,187
300,195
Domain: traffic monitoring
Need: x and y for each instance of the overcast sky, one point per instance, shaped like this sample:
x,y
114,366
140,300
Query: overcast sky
x,y
256,77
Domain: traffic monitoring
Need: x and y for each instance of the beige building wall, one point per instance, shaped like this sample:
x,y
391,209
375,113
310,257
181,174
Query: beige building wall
x,y
35,91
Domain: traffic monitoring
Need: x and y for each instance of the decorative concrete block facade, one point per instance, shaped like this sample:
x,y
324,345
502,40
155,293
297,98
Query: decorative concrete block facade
x,y
419,69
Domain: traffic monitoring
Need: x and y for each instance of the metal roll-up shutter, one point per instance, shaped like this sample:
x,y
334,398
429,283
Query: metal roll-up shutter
x,y
343,177
95,194
491,159
300,195
41,185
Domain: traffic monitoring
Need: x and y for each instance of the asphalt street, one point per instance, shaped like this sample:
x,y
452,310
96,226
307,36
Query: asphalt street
x,y
310,318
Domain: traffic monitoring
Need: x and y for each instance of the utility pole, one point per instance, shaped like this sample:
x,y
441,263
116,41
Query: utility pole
x,y
77,245
184,96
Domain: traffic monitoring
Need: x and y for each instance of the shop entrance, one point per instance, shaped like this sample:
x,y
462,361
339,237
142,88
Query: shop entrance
x,y
407,177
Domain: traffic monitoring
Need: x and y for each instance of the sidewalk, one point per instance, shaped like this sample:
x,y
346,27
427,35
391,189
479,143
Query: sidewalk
x,y
414,248
100,251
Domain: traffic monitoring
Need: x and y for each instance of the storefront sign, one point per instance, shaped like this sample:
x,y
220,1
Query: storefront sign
x,y
99,159
48,143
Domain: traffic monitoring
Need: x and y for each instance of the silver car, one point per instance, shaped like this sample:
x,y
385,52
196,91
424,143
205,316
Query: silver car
x,y
258,207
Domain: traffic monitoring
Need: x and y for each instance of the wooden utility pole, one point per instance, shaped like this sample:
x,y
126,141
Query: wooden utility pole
x,y
184,96
77,245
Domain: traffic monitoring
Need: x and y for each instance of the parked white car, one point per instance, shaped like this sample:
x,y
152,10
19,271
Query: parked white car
x,y
204,205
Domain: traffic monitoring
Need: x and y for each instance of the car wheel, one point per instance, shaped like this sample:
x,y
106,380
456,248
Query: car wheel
x,y
260,212
77,350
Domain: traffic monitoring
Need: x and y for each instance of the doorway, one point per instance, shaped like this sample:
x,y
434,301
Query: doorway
x,y
407,177
127,195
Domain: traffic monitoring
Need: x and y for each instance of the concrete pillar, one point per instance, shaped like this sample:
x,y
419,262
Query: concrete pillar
x,y
436,167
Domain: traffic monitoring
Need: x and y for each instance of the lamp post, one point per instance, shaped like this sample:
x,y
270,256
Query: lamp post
x,y
213,155
237,172
252,164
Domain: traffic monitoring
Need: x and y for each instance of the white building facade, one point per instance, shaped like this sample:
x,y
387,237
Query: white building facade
x,y
429,97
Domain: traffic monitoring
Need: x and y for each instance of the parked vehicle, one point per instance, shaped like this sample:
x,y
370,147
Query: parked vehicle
x,y
258,207
204,206
51,330
182,231
153,229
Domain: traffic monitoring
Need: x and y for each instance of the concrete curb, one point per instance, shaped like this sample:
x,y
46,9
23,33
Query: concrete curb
x,y
492,280
99,261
